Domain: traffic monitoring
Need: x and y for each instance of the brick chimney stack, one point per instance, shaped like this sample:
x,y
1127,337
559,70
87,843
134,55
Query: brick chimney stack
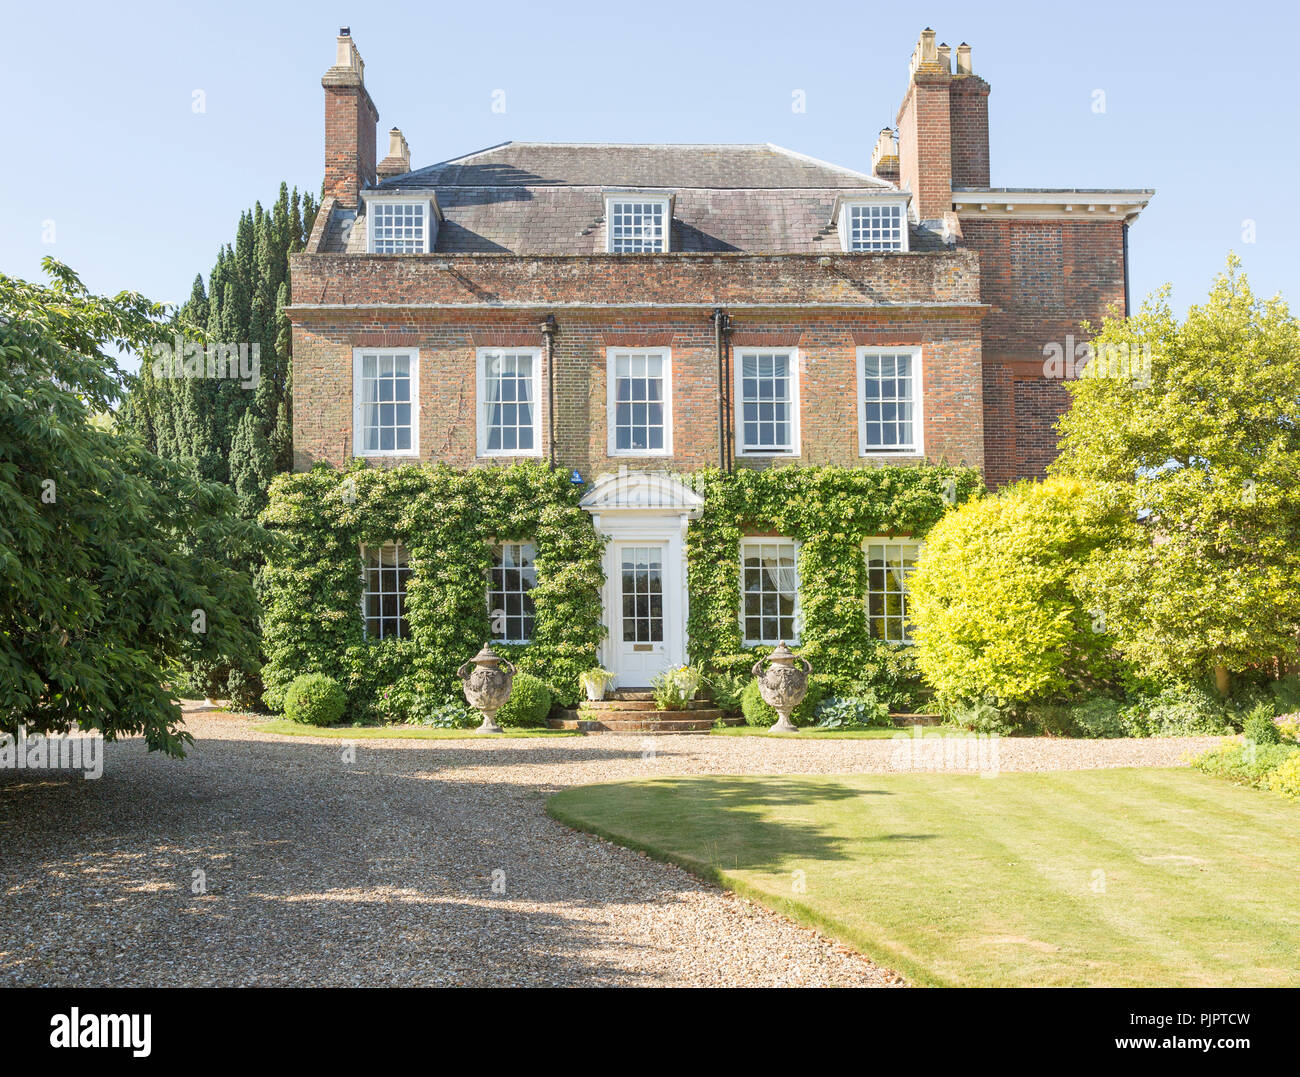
x,y
970,124
924,134
943,127
398,161
884,156
350,122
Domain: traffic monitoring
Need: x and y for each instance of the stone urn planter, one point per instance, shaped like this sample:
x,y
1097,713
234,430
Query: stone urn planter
x,y
487,686
783,686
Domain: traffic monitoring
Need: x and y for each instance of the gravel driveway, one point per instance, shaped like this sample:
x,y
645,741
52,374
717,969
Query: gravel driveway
x,y
276,861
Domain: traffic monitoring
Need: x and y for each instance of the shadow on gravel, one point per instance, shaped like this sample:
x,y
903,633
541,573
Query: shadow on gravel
x,y
260,862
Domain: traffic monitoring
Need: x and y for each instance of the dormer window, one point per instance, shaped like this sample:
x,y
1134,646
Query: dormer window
x,y
401,225
874,224
637,223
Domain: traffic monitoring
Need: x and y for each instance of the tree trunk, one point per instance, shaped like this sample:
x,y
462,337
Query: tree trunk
x,y
1221,679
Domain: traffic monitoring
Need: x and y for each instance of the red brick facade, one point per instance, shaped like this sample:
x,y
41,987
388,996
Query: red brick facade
x,y
447,344
992,277
1041,280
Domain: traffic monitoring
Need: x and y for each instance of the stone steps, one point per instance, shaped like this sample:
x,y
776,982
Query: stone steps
x,y
639,705
644,722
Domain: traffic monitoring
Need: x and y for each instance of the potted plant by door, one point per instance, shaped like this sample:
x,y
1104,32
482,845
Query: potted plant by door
x,y
595,681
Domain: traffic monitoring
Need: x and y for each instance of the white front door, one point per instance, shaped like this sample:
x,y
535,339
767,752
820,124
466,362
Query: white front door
x,y
644,516
643,612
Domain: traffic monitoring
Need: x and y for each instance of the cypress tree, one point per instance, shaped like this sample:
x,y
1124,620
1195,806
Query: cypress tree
x,y
236,435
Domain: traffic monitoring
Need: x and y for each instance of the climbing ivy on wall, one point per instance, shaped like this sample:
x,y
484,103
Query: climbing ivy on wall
x,y
830,511
448,521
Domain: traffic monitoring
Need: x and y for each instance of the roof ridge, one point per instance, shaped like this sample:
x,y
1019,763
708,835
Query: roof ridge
x,y
875,180
647,145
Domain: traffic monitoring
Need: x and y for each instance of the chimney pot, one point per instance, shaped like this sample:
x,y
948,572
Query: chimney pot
x,y
925,53
884,156
398,161
350,119
963,60
945,57
349,55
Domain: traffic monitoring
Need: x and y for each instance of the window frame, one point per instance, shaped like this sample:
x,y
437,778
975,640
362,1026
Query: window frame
x,y
358,428
400,593
758,540
792,356
614,198
845,227
506,640
430,220
482,355
611,402
889,540
917,449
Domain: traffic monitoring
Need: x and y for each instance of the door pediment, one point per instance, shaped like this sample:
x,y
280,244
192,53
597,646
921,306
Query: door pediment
x,y
642,492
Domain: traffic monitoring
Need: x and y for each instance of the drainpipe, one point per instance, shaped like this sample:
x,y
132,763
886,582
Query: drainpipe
x,y
731,388
1127,302
549,329
724,394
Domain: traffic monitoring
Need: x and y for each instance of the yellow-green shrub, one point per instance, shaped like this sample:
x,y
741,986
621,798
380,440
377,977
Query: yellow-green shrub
x,y
1286,778
995,614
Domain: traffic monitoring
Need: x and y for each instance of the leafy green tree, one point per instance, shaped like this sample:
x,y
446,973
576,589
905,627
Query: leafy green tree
x,y
995,613
114,563
1191,430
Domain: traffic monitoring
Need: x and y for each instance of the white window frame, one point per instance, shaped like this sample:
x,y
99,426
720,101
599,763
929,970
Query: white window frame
x,y
917,448
889,540
742,447
530,545
846,208
430,220
613,199
611,403
401,594
358,430
482,357
760,540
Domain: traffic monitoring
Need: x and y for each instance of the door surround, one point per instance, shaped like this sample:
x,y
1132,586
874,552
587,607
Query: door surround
x,y
644,507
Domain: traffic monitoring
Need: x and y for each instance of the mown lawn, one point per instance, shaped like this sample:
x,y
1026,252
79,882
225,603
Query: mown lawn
x,y
373,732
1106,877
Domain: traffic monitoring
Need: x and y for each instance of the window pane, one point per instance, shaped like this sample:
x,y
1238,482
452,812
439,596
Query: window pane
x,y
769,591
636,227
765,402
384,577
640,422
875,228
887,403
889,567
510,583
397,228
384,390
507,394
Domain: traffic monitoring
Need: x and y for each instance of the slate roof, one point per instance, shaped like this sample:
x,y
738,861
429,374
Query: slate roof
x,y
551,164
548,198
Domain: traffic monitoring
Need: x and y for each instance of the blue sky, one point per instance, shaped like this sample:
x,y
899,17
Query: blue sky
x,y
1201,103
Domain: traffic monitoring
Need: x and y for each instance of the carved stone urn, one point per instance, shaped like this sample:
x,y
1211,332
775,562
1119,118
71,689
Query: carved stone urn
x,y
783,686
487,686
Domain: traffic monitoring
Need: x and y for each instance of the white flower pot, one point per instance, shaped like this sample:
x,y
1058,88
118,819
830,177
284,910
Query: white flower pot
x,y
594,693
